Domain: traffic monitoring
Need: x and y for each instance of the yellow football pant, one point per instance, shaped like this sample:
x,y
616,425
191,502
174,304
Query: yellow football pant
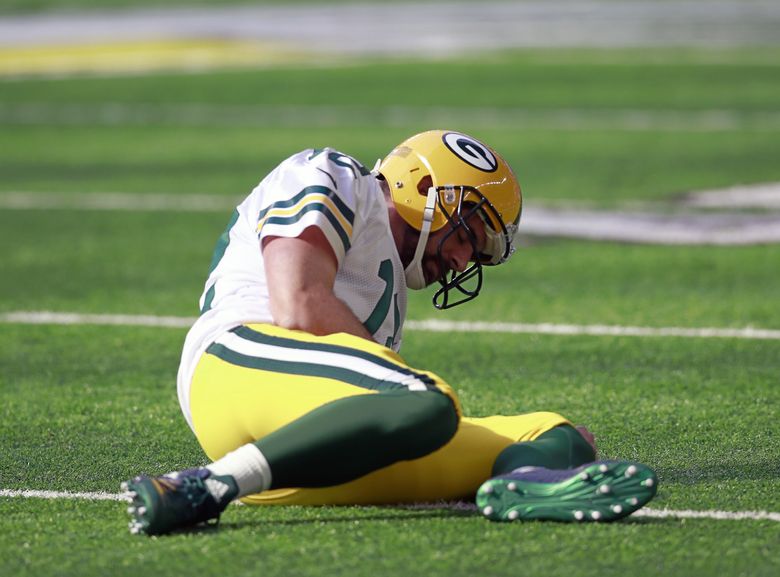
x,y
235,401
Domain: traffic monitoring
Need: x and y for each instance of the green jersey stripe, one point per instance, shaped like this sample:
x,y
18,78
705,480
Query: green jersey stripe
x,y
209,298
223,242
216,257
285,220
345,211
262,338
301,369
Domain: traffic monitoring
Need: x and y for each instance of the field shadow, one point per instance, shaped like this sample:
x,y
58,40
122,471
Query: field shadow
x,y
240,525
402,513
381,514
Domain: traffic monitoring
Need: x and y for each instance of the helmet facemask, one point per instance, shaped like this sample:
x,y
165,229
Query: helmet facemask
x,y
470,203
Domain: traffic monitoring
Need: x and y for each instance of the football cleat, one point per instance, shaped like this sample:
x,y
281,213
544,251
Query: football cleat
x,y
177,500
600,491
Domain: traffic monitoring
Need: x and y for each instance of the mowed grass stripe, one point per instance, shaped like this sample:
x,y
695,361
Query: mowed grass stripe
x,y
304,115
117,201
426,325
644,512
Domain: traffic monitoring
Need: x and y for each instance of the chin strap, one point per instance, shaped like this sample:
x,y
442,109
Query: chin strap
x,y
415,279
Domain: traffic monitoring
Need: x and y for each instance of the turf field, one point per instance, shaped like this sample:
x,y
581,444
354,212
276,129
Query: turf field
x,y
84,406
14,7
28,6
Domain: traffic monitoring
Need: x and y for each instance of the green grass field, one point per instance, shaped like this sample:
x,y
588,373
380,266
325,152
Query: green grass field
x,y
84,407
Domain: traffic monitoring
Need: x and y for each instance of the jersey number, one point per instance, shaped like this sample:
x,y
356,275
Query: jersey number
x,y
378,315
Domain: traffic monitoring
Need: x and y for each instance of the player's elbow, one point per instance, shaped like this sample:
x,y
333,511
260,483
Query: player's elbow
x,y
296,323
294,320
300,314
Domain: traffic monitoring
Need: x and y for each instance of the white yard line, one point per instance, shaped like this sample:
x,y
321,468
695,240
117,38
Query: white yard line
x,y
434,325
718,515
682,228
645,512
34,494
761,195
429,325
52,318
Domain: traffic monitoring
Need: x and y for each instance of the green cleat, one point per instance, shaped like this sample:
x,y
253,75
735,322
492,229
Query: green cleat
x,y
179,500
599,491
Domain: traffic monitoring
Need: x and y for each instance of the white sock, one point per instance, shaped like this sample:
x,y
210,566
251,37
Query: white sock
x,y
248,466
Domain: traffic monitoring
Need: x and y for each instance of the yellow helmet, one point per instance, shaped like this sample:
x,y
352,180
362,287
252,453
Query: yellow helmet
x,y
440,177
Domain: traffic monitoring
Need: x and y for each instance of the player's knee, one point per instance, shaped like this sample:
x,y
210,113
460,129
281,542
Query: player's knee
x,y
442,416
582,450
428,422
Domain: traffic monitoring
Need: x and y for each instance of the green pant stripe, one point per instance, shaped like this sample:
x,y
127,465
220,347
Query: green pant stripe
x,y
302,369
262,338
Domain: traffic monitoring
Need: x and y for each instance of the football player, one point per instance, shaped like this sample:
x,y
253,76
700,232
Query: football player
x,y
291,379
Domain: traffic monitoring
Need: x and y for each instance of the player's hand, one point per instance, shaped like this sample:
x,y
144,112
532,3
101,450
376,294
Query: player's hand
x,y
588,436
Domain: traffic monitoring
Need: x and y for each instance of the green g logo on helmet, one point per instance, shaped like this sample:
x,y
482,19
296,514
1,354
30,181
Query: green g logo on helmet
x,y
471,151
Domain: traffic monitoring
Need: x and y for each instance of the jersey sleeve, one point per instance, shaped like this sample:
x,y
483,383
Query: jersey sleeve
x,y
310,189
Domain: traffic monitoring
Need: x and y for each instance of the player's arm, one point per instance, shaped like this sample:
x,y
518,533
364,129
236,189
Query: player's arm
x,y
301,272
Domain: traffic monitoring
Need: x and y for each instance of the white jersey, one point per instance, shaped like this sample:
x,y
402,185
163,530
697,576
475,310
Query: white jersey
x,y
321,188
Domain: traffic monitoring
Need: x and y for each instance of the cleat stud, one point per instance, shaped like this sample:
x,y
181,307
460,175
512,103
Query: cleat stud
x,y
604,489
487,489
512,515
584,476
633,501
131,510
617,509
512,486
123,486
603,468
487,511
579,515
595,515
142,510
132,494
631,471
649,482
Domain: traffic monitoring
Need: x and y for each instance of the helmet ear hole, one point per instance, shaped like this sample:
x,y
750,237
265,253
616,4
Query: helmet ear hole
x,y
425,183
